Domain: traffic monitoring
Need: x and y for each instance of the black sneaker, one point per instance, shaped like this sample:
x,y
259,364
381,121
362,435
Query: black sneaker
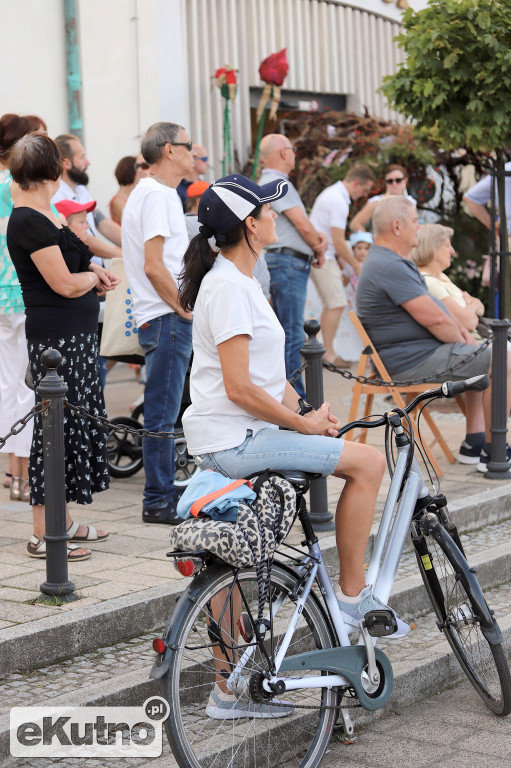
x,y
484,459
163,515
469,454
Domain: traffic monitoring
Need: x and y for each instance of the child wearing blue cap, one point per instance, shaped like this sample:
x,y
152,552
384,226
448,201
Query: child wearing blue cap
x,y
360,243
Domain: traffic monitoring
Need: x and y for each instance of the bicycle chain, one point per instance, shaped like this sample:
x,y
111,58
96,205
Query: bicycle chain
x,y
321,707
39,408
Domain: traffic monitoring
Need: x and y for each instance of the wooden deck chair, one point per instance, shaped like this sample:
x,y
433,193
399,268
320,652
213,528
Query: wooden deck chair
x,y
369,354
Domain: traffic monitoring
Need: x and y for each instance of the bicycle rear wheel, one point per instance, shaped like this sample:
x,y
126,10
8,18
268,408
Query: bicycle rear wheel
x,y
207,637
464,617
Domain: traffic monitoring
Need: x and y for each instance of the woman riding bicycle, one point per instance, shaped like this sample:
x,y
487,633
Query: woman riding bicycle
x,y
239,393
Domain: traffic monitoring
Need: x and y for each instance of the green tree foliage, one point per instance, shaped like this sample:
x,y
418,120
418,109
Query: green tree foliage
x,y
456,79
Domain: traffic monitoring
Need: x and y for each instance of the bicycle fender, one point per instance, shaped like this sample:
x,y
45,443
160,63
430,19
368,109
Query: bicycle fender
x,y
350,662
489,627
162,663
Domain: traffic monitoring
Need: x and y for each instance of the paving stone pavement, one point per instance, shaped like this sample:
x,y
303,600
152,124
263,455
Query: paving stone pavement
x,y
451,729
133,558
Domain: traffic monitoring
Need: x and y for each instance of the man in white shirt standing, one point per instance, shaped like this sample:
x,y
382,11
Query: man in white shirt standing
x,y
329,214
154,240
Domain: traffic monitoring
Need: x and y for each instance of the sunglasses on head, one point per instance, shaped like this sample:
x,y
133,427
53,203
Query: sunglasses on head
x,y
143,165
395,181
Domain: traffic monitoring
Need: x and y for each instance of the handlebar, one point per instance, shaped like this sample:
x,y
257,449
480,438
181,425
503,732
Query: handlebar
x,y
447,389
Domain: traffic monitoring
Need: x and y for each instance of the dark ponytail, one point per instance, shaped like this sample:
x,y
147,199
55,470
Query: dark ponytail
x,y
198,260
200,257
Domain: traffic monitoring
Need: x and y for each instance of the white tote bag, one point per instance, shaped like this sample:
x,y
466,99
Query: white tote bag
x,y
119,340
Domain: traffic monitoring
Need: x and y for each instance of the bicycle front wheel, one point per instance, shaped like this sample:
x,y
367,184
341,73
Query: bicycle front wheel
x,y
295,727
463,615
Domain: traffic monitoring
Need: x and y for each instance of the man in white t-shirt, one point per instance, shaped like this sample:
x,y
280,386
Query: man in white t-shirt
x,y
154,240
479,196
329,215
73,186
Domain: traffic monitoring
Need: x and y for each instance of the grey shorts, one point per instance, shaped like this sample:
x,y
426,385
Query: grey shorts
x,y
437,367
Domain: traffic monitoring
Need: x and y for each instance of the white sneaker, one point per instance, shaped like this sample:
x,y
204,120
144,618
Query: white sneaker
x,y
352,613
222,706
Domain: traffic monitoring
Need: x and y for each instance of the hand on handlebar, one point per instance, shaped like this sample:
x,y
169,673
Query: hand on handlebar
x,y
322,422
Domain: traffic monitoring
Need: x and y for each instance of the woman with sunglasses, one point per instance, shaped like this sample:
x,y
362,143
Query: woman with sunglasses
x,y
240,396
395,184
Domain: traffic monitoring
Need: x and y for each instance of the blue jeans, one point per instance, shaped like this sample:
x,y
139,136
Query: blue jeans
x,y
288,288
167,343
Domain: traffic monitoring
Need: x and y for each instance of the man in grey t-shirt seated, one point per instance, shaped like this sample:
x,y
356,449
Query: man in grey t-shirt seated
x,y
413,332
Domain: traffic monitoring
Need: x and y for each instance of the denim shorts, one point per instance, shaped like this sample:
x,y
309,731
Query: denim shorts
x,y
276,449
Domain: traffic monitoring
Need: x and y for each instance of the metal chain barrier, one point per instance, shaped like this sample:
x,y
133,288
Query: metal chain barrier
x,y
439,376
122,427
39,408
296,374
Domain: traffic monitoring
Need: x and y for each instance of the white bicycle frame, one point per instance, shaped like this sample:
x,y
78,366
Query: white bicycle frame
x,y
388,547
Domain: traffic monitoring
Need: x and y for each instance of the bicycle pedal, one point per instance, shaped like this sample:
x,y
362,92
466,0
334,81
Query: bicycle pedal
x,y
380,623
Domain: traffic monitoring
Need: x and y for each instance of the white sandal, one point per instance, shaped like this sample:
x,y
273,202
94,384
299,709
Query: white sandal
x,y
37,548
92,534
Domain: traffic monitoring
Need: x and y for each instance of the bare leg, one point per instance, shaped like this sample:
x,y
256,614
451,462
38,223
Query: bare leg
x,y
329,323
39,525
226,611
20,466
362,466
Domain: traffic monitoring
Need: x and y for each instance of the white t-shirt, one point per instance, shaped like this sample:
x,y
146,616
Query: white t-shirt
x,y
230,304
377,198
331,209
152,209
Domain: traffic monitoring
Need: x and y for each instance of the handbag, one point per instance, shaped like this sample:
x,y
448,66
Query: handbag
x,y
253,537
119,339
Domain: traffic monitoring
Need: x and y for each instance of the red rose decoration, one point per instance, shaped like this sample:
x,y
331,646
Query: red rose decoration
x,y
274,68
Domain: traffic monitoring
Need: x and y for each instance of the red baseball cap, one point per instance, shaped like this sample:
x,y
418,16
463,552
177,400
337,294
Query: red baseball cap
x,y
69,207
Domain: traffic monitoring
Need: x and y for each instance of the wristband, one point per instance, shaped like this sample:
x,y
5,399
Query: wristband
x,y
91,279
303,407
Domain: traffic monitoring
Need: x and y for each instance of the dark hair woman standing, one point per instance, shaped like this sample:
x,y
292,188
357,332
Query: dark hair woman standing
x,y
60,289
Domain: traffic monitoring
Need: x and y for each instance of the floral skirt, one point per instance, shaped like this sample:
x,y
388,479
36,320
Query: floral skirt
x,y
86,465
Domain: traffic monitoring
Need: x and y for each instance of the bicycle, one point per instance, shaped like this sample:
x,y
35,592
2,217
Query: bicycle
x,y
301,651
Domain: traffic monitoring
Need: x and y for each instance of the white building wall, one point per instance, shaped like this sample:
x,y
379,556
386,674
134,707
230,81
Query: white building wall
x,y
149,60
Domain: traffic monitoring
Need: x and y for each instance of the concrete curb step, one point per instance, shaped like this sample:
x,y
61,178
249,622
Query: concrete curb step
x,y
84,629
423,664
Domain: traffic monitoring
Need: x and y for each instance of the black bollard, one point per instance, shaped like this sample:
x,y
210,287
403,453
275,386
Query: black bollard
x,y
313,353
498,466
53,388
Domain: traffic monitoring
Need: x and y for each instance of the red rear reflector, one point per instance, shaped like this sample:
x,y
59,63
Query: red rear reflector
x,y
185,567
158,645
